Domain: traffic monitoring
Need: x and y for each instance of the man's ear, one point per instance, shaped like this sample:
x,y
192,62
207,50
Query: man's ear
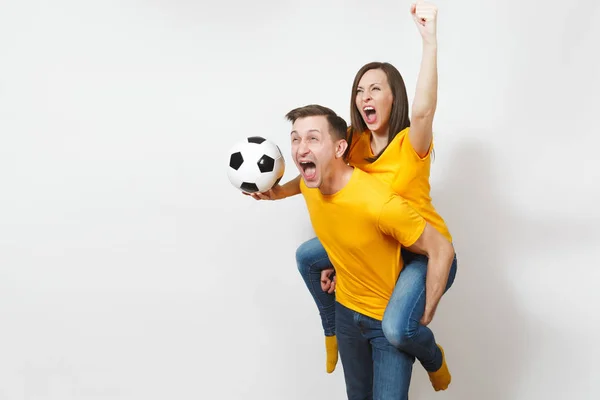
x,y
340,148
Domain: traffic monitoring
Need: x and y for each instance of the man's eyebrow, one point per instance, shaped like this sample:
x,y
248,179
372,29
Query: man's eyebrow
x,y
310,130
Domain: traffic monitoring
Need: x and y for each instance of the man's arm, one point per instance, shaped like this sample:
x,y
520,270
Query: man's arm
x,y
401,221
279,192
441,256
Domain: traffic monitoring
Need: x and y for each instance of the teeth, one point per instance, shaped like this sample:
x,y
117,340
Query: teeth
x,y
369,108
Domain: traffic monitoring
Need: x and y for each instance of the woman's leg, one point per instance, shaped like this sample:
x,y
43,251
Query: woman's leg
x,y
401,321
311,259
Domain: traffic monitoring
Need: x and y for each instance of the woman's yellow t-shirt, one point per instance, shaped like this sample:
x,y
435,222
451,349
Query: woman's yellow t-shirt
x,y
404,170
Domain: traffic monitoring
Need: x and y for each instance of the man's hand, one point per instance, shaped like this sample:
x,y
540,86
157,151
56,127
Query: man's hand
x,y
277,192
427,317
425,16
327,283
441,255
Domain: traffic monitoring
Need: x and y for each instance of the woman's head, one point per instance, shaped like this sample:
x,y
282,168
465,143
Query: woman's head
x,y
379,101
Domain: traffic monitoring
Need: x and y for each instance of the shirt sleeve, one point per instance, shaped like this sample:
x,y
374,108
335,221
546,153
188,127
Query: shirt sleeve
x,y
408,149
399,220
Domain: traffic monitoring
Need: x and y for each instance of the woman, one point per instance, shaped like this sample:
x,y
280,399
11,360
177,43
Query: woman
x,y
383,142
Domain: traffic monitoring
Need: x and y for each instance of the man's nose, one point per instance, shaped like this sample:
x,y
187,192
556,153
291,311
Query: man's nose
x,y
303,147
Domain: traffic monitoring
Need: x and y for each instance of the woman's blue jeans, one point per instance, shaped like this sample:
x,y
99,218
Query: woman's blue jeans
x,y
401,321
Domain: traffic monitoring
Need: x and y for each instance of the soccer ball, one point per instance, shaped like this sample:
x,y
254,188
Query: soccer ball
x,y
255,165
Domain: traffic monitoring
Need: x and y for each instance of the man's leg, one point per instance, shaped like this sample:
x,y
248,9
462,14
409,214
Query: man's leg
x,y
355,354
392,368
401,322
311,259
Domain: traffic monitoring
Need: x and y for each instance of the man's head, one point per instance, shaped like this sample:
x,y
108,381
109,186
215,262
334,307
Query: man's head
x,y
318,143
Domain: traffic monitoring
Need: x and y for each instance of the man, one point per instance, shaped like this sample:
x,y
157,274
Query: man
x,y
363,225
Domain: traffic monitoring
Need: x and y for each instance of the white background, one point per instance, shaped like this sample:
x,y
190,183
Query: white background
x,y
121,277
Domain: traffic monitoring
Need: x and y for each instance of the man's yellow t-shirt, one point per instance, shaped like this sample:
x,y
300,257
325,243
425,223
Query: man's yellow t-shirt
x,y
403,170
363,228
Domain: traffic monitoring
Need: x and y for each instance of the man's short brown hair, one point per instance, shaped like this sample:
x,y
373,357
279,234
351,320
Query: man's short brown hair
x,y
337,124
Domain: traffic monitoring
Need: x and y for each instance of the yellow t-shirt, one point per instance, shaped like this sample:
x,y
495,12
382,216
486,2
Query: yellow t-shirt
x,y
403,170
363,228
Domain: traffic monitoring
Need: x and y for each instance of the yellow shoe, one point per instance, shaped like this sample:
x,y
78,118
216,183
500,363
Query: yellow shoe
x,y
441,378
331,348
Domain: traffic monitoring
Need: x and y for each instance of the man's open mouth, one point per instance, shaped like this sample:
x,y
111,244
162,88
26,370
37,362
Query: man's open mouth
x,y
309,169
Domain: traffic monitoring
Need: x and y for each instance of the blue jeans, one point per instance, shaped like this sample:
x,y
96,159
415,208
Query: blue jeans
x,y
400,323
373,368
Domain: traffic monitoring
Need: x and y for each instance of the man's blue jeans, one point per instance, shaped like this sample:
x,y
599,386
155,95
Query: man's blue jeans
x,y
373,368
401,324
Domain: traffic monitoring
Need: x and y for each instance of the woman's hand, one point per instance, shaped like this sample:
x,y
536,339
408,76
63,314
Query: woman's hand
x,y
425,16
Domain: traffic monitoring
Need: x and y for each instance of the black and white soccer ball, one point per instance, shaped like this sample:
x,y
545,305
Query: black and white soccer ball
x,y
255,165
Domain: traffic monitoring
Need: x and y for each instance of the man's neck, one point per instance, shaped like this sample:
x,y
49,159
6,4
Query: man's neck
x,y
338,177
